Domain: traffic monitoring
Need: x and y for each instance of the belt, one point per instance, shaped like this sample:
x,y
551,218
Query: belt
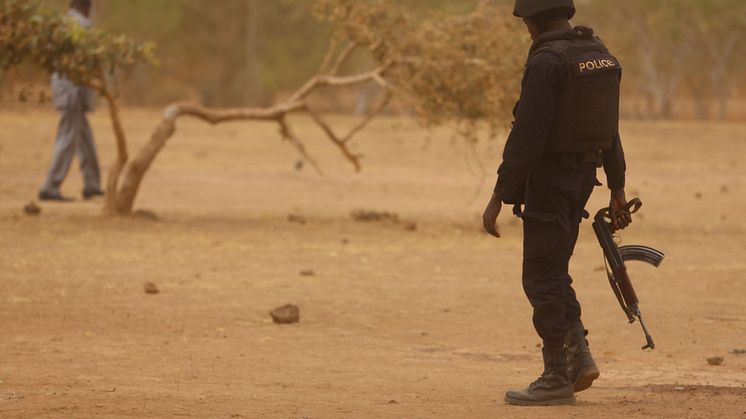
x,y
572,161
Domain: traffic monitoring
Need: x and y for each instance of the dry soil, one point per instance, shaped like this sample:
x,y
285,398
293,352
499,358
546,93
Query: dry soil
x,y
394,322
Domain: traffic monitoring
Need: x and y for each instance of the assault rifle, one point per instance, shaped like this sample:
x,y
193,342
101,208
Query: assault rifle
x,y
616,270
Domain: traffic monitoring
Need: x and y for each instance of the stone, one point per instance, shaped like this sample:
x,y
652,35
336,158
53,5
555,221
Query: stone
x,y
286,314
715,360
151,288
297,219
147,215
32,208
374,216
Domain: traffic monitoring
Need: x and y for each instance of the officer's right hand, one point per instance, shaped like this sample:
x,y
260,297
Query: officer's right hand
x,y
489,218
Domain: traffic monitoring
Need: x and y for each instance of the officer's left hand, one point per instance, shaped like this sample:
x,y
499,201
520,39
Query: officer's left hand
x,y
490,215
620,218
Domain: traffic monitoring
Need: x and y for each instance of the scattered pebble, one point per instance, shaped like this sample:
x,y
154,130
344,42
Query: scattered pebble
x,y
12,396
393,402
286,314
307,272
345,241
32,208
738,351
368,216
724,189
296,218
698,195
715,360
147,215
372,216
150,288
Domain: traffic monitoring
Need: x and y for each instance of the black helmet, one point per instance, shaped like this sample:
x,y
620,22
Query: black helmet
x,y
528,8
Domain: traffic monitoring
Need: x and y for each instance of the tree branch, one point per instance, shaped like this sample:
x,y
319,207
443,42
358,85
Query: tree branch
x,y
353,158
288,135
328,57
337,81
371,115
342,58
216,116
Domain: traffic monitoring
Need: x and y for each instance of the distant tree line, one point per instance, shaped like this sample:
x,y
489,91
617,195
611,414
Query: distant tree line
x,y
676,49
227,52
250,52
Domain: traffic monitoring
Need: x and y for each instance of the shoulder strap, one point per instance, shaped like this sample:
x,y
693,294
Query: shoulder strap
x,y
556,47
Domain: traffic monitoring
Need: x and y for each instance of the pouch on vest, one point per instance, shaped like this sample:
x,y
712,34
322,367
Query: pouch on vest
x,y
597,96
587,117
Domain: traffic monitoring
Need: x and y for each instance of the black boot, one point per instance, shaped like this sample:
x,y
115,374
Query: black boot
x,y
92,193
582,369
552,388
45,195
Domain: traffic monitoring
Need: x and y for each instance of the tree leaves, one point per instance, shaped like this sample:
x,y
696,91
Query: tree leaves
x,y
451,68
58,44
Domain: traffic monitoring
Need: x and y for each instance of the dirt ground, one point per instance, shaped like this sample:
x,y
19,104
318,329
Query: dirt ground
x,y
394,323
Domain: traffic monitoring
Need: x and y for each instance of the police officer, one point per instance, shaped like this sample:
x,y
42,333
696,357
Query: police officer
x,y
566,125
73,133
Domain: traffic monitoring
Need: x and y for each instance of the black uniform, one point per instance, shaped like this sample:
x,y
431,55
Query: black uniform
x,y
551,188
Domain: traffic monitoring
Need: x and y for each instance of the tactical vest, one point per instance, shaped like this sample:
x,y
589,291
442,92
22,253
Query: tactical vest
x,y
587,116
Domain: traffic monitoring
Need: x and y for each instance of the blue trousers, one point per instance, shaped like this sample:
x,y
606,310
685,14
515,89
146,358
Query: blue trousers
x,y
74,136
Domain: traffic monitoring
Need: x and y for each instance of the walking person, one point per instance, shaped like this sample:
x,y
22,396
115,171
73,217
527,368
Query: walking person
x,y
74,133
566,125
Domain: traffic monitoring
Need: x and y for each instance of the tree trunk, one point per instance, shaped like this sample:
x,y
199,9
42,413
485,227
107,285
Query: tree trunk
x,y
115,171
701,98
723,100
254,93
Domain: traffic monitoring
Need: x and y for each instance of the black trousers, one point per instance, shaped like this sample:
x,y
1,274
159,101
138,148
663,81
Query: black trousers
x,y
555,201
